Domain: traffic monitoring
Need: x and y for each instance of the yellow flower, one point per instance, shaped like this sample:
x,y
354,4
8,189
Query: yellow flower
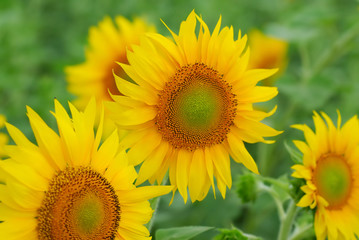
x,y
267,52
331,170
107,46
68,186
191,107
3,137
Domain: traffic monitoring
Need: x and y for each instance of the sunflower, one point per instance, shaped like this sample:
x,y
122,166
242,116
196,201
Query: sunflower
x,y
331,171
267,52
191,107
3,137
68,186
107,45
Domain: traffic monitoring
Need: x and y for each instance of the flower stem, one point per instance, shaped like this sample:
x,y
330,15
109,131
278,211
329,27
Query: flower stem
x,y
287,221
304,232
275,197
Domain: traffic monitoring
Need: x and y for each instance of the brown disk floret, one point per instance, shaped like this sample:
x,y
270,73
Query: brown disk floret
x,y
172,98
58,215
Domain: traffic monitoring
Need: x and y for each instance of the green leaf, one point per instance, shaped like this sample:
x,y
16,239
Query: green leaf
x,y
181,233
234,234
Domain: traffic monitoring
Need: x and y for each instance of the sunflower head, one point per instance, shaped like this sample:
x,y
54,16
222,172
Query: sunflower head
x,y
74,186
267,52
191,106
330,164
108,43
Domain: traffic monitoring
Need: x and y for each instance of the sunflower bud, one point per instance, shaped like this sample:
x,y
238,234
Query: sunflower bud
x,y
247,188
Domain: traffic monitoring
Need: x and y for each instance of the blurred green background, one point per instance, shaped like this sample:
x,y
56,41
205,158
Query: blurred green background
x,y
38,38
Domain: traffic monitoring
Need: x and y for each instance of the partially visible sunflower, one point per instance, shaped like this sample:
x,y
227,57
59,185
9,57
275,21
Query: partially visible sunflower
x,y
191,107
267,52
331,170
108,44
3,137
69,186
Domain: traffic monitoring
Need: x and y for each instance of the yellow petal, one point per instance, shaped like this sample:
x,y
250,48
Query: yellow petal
x,y
209,167
221,161
257,128
189,39
331,226
32,158
8,213
302,172
168,47
136,92
240,153
18,137
305,201
152,163
144,147
183,165
258,115
251,77
23,195
133,226
310,138
136,116
143,69
139,211
142,193
6,199
132,137
221,185
68,138
20,228
47,139
31,179
124,178
197,175
101,158
257,94
319,226
125,234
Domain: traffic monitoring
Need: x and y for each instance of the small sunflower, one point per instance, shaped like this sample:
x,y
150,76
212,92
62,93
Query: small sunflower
x,y
191,107
267,52
3,137
331,170
68,186
107,46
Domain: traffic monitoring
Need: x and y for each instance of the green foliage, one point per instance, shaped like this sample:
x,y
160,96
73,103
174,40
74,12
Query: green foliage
x,y
234,234
180,233
295,154
295,190
281,187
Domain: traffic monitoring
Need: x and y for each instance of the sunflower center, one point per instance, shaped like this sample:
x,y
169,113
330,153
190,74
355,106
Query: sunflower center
x,y
333,179
88,213
79,204
196,108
